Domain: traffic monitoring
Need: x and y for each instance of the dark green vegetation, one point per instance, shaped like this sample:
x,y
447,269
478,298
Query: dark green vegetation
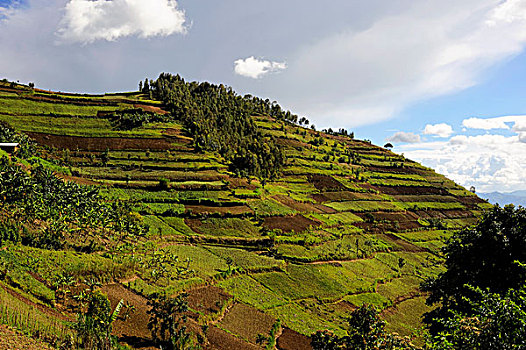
x,y
221,121
481,295
225,197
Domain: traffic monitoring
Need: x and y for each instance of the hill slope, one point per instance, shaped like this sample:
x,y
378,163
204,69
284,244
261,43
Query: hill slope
x,y
345,222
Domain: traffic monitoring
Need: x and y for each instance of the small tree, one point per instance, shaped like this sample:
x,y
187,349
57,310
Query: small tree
x,y
168,322
94,322
164,183
105,156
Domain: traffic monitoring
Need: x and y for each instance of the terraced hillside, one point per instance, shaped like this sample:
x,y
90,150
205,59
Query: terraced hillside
x,y
346,223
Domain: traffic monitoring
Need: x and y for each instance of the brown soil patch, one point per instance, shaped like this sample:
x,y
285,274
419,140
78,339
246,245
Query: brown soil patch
x,y
324,209
247,322
457,214
326,183
385,221
294,204
346,306
100,143
151,109
431,214
207,299
221,340
292,340
133,331
11,339
319,197
412,190
470,200
223,211
79,180
236,182
296,223
368,187
194,224
177,135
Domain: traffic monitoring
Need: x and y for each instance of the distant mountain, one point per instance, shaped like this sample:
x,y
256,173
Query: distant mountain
x,y
515,197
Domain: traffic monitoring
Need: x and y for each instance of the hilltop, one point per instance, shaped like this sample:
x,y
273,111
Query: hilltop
x,y
273,228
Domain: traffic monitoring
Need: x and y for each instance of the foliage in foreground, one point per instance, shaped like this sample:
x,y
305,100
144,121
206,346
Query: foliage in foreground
x,y
38,195
482,294
495,322
483,256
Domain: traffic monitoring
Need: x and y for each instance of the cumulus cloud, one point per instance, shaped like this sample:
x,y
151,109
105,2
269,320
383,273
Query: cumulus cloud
x,y
254,68
86,21
441,130
520,125
404,137
488,162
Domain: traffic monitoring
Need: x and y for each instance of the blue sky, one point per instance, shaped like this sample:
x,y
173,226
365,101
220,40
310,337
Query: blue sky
x,y
442,80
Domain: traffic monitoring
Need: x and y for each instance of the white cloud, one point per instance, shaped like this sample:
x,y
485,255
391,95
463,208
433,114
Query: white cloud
x,y
488,162
441,130
86,21
518,121
254,68
520,125
404,137
485,124
427,49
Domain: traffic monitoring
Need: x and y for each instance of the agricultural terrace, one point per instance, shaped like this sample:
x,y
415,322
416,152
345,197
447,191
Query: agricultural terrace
x,y
346,223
